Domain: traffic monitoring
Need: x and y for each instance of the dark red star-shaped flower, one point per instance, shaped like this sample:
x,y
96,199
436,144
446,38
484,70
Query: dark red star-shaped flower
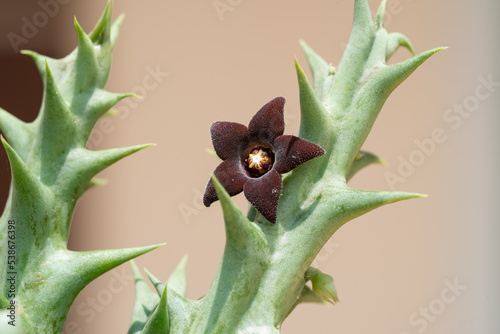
x,y
254,157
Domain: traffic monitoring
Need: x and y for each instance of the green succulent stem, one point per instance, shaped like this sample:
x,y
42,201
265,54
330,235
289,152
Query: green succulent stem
x,y
264,269
51,169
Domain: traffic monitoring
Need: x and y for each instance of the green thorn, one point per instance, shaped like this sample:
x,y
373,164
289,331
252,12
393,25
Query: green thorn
x,y
100,27
16,131
96,161
362,22
362,160
241,234
379,18
232,215
115,29
57,123
92,264
320,69
313,114
394,41
159,285
25,183
178,280
309,296
322,285
82,165
393,75
356,203
105,100
86,66
159,321
38,59
145,303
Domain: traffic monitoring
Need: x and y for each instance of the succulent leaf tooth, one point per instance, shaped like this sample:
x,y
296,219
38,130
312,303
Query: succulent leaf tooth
x,y
82,165
28,191
363,201
145,303
62,70
314,118
159,321
159,285
89,265
57,131
104,37
379,18
322,285
377,56
18,133
351,66
394,41
101,32
239,230
320,69
86,63
246,248
91,108
115,28
177,280
68,273
362,160
393,75
371,95
355,203
40,60
309,296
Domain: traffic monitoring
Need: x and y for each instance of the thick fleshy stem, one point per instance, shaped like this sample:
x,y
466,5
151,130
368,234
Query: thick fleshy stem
x,y
51,169
263,273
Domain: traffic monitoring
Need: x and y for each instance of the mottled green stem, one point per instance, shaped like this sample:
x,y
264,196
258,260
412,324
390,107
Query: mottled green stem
x,y
51,169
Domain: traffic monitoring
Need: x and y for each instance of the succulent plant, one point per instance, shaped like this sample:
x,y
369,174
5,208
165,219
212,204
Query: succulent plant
x,y
266,265
51,169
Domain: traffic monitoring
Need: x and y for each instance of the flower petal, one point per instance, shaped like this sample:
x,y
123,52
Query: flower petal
x,y
264,193
227,138
231,177
293,151
268,123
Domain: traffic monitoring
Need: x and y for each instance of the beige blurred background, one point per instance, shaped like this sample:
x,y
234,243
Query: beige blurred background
x,y
392,267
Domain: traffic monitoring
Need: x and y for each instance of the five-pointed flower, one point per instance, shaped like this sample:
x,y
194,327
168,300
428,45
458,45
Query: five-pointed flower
x,y
254,157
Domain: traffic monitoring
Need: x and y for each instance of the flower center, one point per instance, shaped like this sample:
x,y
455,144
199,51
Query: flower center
x,y
259,161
